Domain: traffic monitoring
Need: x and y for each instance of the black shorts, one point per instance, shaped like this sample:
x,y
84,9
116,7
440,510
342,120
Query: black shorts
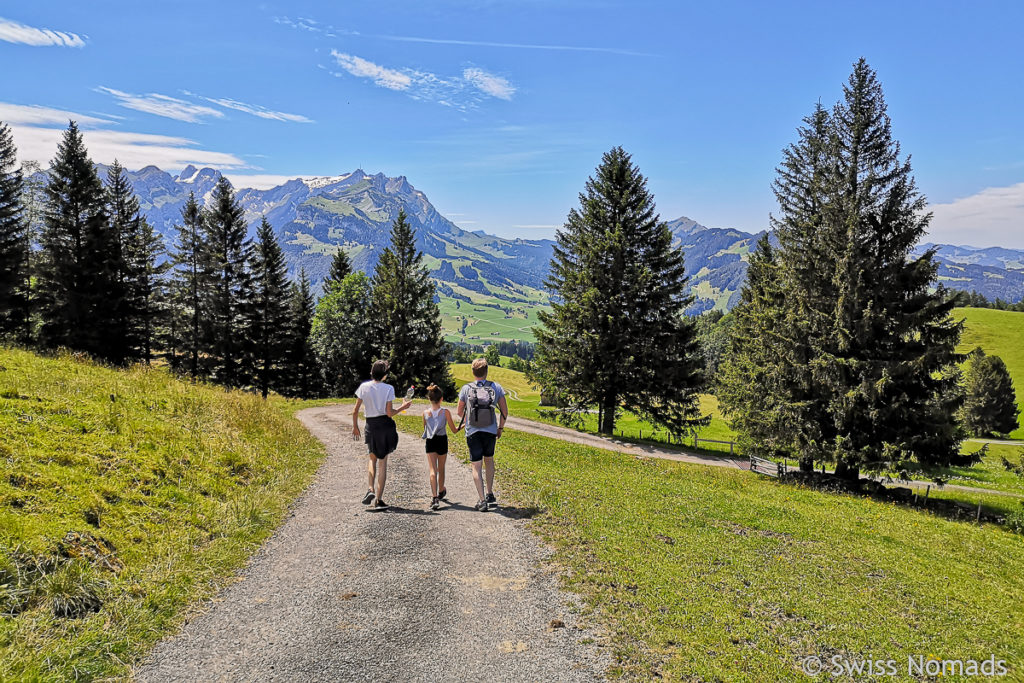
x,y
438,444
481,445
381,436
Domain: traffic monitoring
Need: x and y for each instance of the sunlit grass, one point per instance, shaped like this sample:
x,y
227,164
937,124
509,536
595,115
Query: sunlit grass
x,y
127,496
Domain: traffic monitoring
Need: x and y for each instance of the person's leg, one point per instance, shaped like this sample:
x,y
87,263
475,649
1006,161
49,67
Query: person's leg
x,y
489,468
477,479
432,464
382,476
441,459
371,470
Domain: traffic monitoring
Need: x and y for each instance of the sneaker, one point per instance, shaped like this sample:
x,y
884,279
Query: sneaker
x,y
443,494
380,505
368,498
481,506
435,503
491,501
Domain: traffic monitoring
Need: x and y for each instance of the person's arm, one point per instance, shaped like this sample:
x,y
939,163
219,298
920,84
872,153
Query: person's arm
x,y
355,417
451,422
462,408
503,408
391,408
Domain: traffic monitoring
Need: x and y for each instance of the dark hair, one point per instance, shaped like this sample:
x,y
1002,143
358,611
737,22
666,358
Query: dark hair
x,y
434,393
379,370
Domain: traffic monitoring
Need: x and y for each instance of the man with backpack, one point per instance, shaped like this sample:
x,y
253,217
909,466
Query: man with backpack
x,y
480,403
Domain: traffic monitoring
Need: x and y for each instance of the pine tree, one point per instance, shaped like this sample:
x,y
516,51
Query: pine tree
x,y
406,315
229,288
343,336
15,319
301,371
77,274
991,405
341,267
617,336
889,366
139,276
753,386
270,314
189,287
859,367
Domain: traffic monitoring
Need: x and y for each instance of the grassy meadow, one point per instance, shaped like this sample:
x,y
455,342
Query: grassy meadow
x,y
126,497
712,574
999,333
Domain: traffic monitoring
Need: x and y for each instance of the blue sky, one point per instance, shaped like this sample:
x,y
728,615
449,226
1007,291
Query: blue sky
x,y
499,110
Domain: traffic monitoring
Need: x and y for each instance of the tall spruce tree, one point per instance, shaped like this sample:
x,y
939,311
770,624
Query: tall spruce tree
x,y
991,405
341,267
406,316
188,288
229,288
77,273
301,371
15,319
617,336
139,276
864,372
754,382
270,313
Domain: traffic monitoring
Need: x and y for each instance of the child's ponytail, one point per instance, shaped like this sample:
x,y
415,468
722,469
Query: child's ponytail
x,y
434,393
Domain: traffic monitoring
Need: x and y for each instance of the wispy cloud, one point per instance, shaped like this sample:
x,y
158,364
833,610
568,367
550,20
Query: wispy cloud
x,y
489,84
163,105
516,46
13,32
992,217
313,26
460,92
37,131
34,115
254,109
382,76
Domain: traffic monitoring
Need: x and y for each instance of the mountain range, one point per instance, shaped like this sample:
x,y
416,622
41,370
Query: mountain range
x,y
489,287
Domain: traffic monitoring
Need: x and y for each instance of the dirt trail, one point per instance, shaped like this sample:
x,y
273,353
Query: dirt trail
x,y
341,593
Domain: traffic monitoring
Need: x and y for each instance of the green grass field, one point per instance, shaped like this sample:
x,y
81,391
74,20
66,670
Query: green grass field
x,y
999,333
126,497
711,574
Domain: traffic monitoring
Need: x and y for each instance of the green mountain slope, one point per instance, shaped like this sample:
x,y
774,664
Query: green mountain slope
x,y
999,333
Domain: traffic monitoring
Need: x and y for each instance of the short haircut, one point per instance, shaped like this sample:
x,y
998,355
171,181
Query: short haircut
x,y
379,370
480,367
434,393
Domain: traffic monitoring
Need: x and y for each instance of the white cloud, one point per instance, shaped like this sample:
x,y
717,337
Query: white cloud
x,y
382,76
254,109
517,46
35,115
489,84
38,130
992,217
13,32
164,105
460,92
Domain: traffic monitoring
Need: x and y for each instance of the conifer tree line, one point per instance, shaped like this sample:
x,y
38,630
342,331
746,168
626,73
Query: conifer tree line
x,y
81,268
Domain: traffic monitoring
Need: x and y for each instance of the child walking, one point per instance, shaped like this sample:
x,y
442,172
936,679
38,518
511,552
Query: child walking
x,y
436,422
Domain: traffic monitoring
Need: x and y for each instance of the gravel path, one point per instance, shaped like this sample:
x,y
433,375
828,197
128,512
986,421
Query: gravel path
x,y
343,594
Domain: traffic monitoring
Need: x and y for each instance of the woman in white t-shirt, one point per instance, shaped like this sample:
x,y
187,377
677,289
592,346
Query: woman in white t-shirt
x,y
381,431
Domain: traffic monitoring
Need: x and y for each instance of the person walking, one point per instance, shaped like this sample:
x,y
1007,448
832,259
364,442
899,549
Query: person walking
x,y
479,401
381,431
436,423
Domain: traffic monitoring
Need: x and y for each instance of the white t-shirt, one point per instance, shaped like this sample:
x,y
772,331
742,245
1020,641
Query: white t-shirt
x,y
376,396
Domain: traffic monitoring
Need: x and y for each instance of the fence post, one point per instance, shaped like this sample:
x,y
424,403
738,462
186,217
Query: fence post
x,y
978,519
730,450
